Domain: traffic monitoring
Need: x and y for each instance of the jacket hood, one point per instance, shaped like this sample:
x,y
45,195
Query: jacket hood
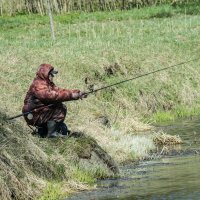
x,y
43,71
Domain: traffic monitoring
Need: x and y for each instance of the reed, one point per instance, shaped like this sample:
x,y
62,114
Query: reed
x,y
12,7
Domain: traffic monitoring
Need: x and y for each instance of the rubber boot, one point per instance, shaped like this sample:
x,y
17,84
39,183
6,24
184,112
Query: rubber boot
x,y
63,129
42,130
52,125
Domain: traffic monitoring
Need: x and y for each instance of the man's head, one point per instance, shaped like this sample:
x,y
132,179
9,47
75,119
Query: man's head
x,y
52,74
45,71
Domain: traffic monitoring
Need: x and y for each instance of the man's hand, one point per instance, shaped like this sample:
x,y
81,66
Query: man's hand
x,y
83,95
79,95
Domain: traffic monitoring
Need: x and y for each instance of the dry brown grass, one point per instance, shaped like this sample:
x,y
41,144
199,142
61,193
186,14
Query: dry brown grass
x,y
162,138
27,165
119,139
34,168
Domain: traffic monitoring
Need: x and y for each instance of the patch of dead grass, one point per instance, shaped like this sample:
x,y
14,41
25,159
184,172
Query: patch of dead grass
x,y
162,138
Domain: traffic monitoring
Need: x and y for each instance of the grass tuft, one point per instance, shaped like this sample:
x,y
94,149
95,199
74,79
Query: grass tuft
x,y
161,138
53,191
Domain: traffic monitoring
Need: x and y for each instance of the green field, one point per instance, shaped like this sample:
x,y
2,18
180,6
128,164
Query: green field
x,y
107,47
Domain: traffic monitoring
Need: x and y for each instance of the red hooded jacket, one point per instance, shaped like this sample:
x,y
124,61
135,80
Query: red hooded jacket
x,y
43,92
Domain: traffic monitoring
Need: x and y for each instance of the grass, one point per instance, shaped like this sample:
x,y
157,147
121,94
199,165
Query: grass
x,y
178,112
31,170
17,7
52,192
161,138
82,43
83,176
89,176
103,48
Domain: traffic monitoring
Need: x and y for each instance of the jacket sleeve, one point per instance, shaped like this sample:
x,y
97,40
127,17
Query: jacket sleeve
x,y
46,94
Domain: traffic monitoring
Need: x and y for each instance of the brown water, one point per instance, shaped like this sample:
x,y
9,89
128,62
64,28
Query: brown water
x,y
172,176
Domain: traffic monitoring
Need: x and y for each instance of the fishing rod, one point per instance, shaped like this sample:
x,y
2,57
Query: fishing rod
x,y
108,86
29,112
124,81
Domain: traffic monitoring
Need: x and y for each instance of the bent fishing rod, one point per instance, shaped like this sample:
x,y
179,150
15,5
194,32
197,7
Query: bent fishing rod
x,y
108,86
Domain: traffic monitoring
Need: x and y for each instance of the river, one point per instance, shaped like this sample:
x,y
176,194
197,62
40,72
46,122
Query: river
x,y
173,174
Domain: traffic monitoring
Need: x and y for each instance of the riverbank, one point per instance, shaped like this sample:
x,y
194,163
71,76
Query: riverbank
x,y
173,174
51,169
38,168
91,51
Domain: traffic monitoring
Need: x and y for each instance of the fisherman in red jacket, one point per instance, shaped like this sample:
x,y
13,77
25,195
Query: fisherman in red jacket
x,y
45,99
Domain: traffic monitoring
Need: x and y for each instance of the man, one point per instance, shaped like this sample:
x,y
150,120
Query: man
x,y
45,100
